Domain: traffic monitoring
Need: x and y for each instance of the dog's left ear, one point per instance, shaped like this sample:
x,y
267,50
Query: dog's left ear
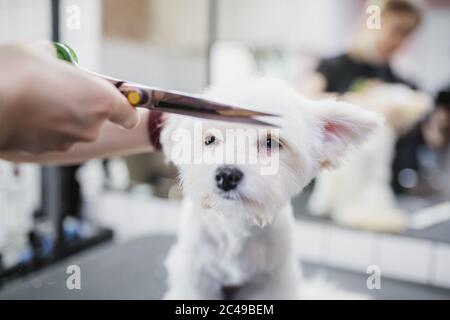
x,y
343,126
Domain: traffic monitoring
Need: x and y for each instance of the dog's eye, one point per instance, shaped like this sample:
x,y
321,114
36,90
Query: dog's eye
x,y
272,143
209,140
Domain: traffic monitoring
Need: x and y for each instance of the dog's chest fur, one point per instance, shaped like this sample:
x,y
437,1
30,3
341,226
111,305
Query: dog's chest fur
x,y
236,250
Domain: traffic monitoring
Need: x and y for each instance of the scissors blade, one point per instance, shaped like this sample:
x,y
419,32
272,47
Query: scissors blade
x,y
190,105
186,111
171,101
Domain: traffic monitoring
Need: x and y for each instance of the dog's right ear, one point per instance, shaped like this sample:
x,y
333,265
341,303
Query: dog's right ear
x,y
343,126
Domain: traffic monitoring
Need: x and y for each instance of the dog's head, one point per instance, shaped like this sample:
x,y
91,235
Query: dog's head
x,y
254,171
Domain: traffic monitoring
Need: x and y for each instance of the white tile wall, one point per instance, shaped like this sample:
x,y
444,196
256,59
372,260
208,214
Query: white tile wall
x,y
352,250
310,238
440,274
405,258
410,259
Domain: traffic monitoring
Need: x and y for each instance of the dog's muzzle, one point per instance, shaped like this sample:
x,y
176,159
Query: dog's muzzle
x,y
228,178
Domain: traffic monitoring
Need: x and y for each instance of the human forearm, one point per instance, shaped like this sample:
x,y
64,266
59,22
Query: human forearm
x,y
112,141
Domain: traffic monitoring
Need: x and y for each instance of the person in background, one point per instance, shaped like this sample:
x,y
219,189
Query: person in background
x,y
367,61
370,55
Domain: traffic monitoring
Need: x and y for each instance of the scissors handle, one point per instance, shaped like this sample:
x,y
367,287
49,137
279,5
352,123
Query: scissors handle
x,y
135,96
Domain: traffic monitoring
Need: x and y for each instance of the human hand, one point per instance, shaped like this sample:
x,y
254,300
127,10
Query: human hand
x,y
48,105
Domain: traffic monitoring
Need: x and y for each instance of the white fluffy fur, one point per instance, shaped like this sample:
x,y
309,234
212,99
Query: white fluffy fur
x,y
242,247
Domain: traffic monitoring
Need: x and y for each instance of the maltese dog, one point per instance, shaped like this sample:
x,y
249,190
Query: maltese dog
x,y
236,233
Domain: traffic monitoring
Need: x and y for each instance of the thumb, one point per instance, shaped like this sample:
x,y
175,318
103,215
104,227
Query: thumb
x,y
123,113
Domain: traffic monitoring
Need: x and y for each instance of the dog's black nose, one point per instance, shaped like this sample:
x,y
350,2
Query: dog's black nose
x,y
227,178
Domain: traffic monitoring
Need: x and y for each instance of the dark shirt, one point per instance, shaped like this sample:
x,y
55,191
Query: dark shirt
x,y
342,72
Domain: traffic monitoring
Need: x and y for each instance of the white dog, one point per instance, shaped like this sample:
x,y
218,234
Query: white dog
x,y
236,238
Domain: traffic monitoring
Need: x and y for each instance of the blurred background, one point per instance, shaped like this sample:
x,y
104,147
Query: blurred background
x,y
116,218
